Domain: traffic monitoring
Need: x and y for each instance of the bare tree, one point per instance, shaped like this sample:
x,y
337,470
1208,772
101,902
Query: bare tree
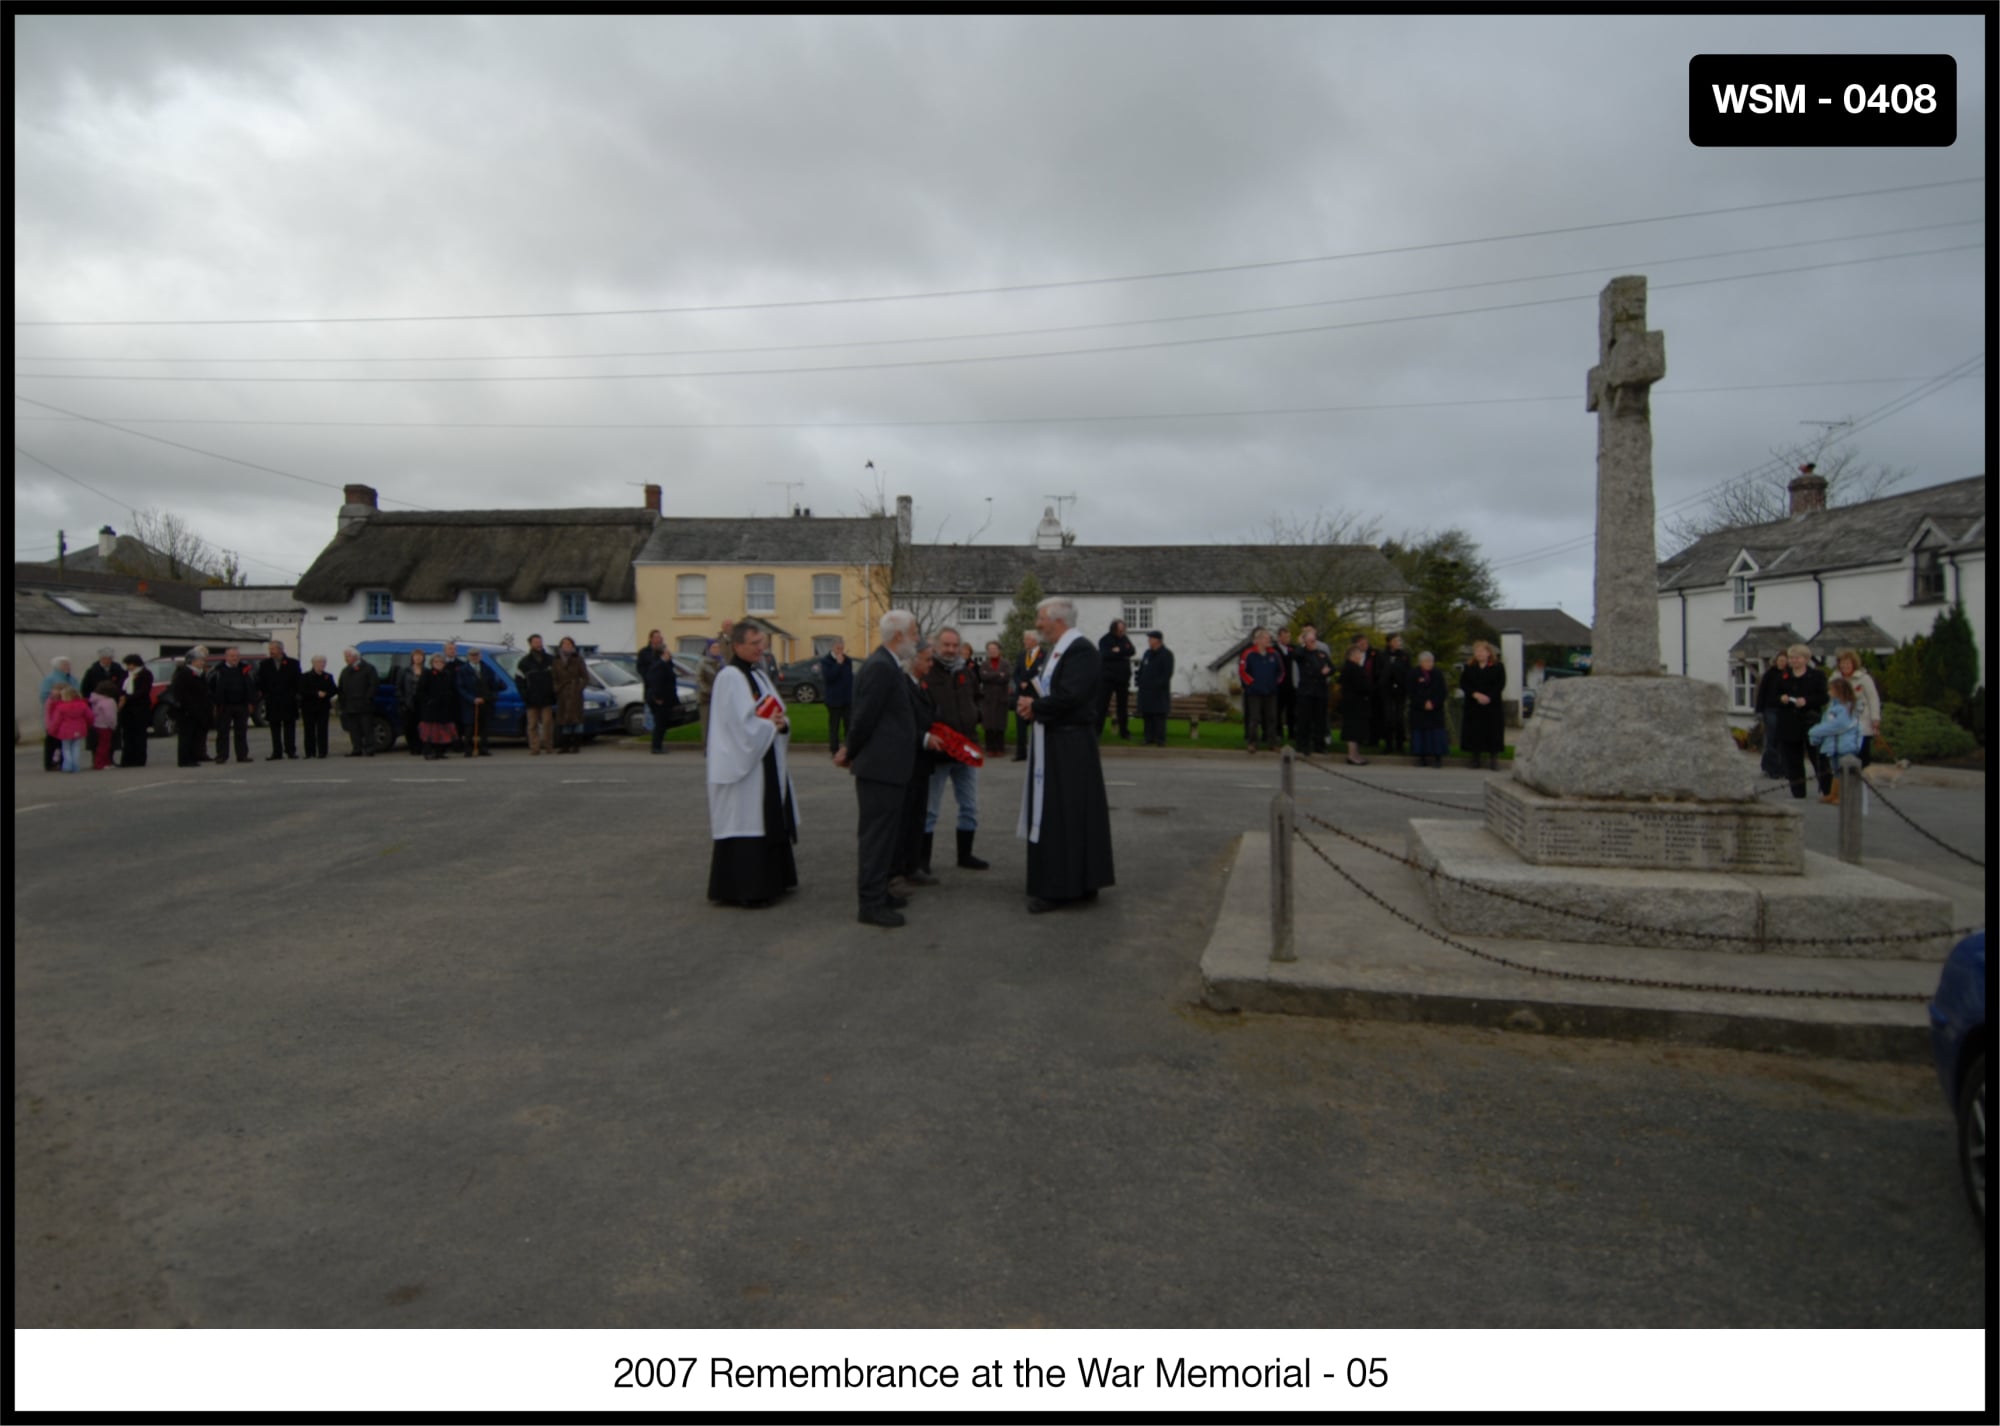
x,y
178,552
1763,497
1318,562
903,574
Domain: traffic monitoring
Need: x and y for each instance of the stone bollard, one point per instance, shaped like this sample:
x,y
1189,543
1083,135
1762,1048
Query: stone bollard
x,y
1282,825
1853,787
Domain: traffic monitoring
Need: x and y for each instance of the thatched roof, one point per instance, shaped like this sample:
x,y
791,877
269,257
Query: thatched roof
x,y
1846,537
433,557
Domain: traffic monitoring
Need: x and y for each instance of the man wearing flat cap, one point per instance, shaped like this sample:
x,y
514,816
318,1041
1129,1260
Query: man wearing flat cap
x,y
1156,688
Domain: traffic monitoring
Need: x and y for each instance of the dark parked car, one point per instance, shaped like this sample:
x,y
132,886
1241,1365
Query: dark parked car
x,y
801,681
509,718
1958,1044
162,670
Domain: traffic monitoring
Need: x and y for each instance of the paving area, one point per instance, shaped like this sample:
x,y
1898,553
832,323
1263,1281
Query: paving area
x,y
384,1043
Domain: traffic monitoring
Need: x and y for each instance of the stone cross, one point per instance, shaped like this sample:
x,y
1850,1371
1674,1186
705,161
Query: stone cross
x,y
1625,629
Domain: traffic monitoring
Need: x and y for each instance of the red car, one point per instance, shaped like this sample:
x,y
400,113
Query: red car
x,y
163,679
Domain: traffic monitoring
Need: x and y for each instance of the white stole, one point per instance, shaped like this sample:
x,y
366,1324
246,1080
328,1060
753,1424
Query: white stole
x,y
737,742
1030,823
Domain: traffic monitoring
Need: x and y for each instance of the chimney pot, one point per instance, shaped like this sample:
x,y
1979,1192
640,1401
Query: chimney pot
x,y
1808,492
360,504
653,498
1049,534
107,539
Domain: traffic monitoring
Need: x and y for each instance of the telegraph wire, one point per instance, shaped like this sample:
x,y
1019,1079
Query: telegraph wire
x,y
981,359
1010,287
1016,331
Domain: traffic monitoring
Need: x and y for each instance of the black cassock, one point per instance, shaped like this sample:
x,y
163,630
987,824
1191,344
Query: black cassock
x,y
1072,856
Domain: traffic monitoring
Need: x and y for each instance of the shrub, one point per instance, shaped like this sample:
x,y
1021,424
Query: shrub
x,y
1921,735
1742,737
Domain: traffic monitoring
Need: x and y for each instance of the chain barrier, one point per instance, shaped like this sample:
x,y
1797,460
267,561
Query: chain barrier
x,y
1639,927
1929,836
1596,978
1458,807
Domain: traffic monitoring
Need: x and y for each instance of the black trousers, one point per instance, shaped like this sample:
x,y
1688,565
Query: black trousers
x,y
232,718
659,712
1309,725
1798,757
1156,728
316,720
284,726
1106,696
880,837
1260,719
193,736
1021,726
133,734
838,724
411,739
1288,718
996,736
360,731
51,753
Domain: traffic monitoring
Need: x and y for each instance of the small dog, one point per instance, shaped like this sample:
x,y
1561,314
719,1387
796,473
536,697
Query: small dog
x,y
1886,774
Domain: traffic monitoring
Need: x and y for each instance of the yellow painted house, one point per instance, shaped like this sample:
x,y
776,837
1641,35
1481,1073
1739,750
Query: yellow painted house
x,y
807,580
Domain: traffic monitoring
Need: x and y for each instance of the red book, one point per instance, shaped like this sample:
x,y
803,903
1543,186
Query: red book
x,y
768,708
958,746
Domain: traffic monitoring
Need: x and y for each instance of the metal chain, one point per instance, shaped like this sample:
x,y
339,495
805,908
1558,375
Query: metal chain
x,y
1600,979
1920,831
1640,927
1458,807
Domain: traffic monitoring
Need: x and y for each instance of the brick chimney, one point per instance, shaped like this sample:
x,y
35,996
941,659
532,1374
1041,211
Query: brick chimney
x,y
1808,491
107,540
653,498
359,506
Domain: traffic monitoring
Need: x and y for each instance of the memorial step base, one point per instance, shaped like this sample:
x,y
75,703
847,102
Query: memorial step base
x,y
1749,837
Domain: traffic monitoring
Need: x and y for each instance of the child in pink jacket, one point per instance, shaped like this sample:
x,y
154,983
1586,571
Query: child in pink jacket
x,y
103,723
68,723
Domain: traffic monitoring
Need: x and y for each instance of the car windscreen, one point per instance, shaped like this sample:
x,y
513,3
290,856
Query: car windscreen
x,y
614,675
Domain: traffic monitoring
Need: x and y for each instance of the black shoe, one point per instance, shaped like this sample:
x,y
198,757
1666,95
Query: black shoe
x,y
895,903
965,857
275,758
924,862
483,753
879,916
1037,906
920,876
659,750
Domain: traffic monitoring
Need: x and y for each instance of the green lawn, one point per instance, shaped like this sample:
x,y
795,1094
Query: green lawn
x,y
809,727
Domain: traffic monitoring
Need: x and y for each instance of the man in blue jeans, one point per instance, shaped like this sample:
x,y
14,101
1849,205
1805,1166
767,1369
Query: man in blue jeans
x,y
954,689
836,682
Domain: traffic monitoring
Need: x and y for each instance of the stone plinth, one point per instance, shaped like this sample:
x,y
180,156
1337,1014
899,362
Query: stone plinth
x,y
1633,738
1628,835
1826,902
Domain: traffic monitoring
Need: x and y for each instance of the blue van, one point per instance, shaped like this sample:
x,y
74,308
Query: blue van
x,y
509,716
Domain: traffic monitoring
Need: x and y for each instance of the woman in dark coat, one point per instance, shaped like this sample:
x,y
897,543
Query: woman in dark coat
x,y
318,696
996,683
570,677
1156,687
1483,732
437,708
1357,702
1429,738
135,712
192,706
1802,697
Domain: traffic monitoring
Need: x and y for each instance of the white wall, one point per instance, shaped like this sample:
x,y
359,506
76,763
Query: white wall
x,y
1881,593
329,628
269,613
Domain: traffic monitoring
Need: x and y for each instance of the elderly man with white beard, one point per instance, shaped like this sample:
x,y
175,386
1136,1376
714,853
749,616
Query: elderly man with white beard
x,y
883,740
1065,816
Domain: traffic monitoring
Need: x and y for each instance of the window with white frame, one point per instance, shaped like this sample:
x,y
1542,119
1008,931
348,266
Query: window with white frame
x,y
760,594
1138,612
1743,686
694,645
1256,612
485,606
691,594
381,607
1742,593
976,610
826,594
574,607
1927,582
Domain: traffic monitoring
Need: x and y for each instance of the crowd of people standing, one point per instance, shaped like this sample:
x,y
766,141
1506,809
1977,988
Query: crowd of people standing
x,y
1811,721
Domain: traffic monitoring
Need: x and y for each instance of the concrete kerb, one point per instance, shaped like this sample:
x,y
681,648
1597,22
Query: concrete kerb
x,y
1356,960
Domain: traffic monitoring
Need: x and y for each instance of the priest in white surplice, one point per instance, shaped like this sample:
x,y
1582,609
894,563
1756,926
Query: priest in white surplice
x,y
752,811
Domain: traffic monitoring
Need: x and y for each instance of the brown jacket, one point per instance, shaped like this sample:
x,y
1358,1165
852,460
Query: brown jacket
x,y
955,696
570,679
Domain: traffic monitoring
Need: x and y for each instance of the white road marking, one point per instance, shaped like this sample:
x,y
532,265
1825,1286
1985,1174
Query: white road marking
x,y
580,781
427,779
317,781
1109,783
35,807
142,787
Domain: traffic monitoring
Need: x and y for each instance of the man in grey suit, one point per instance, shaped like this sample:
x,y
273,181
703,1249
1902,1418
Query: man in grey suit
x,y
883,740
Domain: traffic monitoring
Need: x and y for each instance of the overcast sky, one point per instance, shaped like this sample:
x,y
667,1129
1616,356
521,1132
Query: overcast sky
x,y
183,171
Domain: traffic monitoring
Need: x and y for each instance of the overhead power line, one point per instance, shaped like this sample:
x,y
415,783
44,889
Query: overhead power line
x,y
1161,344
968,420
1631,265
1009,287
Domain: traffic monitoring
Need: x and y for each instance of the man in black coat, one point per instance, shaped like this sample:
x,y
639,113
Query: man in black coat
x,y
1288,688
192,700
663,697
1065,817
1156,688
105,667
478,690
1115,653
234,688
836,691
278,685
1392,696
1312,670
358,681
534,676
135,712
883,744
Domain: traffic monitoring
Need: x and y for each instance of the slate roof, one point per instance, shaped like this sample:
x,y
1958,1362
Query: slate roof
x,y
1117,569
1765,641
1841,634
115,616
431,557
774,540
129,556
1871,533
161,591
1539,626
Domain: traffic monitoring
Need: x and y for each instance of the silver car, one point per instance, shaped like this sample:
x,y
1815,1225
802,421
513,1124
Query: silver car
x,y
617,679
